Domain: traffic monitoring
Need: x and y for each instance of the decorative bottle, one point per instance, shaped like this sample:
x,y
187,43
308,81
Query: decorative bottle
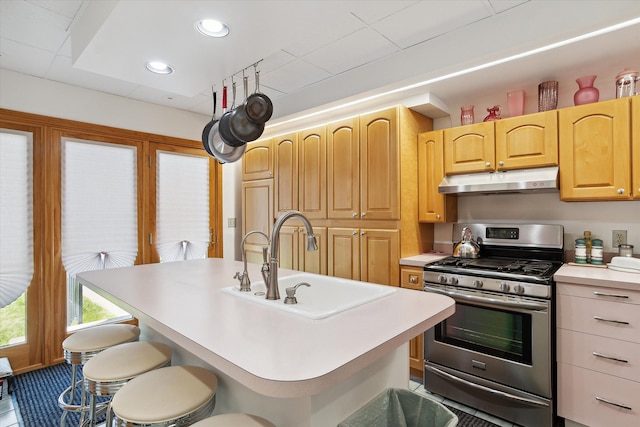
x,y
587,93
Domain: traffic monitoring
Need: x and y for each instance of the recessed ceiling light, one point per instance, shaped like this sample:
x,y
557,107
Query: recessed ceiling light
x,y
159,67
212,28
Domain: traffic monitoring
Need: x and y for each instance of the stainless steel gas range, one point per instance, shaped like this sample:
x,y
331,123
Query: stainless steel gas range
x,y
497,352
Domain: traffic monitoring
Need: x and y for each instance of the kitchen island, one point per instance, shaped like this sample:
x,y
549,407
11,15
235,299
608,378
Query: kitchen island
x,y
287,368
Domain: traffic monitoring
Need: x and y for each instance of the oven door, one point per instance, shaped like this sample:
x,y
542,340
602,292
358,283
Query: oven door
x,y
498,337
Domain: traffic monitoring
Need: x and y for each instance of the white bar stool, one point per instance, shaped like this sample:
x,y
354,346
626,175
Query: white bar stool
x,y
172,396
108,371
78,349
234,420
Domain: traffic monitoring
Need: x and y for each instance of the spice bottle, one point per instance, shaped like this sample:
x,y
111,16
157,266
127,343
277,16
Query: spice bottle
x,y
581,252
587,242
596,252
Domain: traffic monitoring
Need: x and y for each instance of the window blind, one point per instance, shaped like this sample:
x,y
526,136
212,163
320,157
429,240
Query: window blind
x,y
99,206
16,214
182,206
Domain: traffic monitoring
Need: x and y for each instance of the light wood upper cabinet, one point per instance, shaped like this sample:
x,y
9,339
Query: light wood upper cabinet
x,y
343,169
595,153
635,146
286,173
433,206
527,141
257,161
312,190
469,149
379,165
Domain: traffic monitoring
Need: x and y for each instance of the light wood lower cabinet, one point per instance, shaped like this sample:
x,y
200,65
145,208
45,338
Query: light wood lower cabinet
x,y
598,355
257,214
293,252
411,278
369,255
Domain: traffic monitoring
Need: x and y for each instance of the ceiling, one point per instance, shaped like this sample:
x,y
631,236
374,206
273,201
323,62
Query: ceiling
x,y
309,53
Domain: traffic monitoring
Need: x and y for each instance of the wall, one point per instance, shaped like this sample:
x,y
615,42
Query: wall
x,y
39,96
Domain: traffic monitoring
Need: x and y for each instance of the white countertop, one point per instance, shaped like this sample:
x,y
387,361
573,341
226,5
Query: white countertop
x,y
272,352
422,259
586,275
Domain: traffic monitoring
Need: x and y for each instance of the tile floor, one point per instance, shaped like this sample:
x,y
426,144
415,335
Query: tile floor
x,y
8,413
418,388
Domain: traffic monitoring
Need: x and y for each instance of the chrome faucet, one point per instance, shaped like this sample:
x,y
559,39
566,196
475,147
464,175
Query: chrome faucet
x,y
271,274
245,283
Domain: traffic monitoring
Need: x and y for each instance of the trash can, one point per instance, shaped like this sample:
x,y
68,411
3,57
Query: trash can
x,y
401,408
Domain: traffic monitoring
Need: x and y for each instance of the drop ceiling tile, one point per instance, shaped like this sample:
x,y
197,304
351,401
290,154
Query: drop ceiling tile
x,y
61,70
67,8
155,96
358,48
502,5
24,59
32,25
373,11
293,76
428,19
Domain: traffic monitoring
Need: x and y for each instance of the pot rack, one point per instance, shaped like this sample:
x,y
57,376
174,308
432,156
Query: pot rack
x,y
242,71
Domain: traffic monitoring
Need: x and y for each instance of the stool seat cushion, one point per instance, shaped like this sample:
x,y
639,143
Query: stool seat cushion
x,y
234,420
100,337
164,394
125,361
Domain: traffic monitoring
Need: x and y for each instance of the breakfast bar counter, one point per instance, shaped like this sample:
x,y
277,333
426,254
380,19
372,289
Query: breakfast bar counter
x,y
268,359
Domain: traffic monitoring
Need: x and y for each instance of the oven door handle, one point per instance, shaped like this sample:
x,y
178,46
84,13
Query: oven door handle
x,y
532,305
487,389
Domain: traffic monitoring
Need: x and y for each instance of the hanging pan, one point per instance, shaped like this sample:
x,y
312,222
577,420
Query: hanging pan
x,y
258,106
240,125
208,126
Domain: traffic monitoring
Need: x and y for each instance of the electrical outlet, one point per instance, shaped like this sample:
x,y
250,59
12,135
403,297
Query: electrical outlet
x,y
619,237
231,222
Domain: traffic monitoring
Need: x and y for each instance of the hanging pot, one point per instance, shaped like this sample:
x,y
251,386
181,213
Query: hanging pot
x,y
240,125
222,151
224,125
258,106
208,126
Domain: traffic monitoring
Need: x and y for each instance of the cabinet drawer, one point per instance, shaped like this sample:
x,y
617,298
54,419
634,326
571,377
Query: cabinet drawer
x,y
623,296
605,318
411,278
597,354
580,391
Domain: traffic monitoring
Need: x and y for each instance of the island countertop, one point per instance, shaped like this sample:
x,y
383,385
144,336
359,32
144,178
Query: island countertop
x,y
273,352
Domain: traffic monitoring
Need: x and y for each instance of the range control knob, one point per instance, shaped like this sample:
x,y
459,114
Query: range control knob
x,y
504,287
442,278
477,283
453,280
518,289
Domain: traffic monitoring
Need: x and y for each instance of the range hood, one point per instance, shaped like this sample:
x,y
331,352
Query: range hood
x,y
513,181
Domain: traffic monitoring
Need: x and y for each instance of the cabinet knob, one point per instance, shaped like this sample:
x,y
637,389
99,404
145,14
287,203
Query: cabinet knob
x,y
437,216
354,233
353,214
500,163
488,164
362,214
413,279
620,190
362,233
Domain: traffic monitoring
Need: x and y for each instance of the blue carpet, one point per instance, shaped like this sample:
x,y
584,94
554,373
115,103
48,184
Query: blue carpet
x,y
36,394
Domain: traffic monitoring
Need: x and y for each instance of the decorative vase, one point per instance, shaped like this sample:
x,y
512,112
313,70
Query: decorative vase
x,y
587,93
466,115
515,100
548,95
494,113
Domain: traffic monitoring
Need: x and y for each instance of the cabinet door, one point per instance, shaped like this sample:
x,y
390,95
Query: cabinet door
x,y
469,149
316,261
595,151
288,248
257,160
343,169
257,214
379,165
527,141
343,248
312,192
379,260
433,206
411,278
286,173
635,145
